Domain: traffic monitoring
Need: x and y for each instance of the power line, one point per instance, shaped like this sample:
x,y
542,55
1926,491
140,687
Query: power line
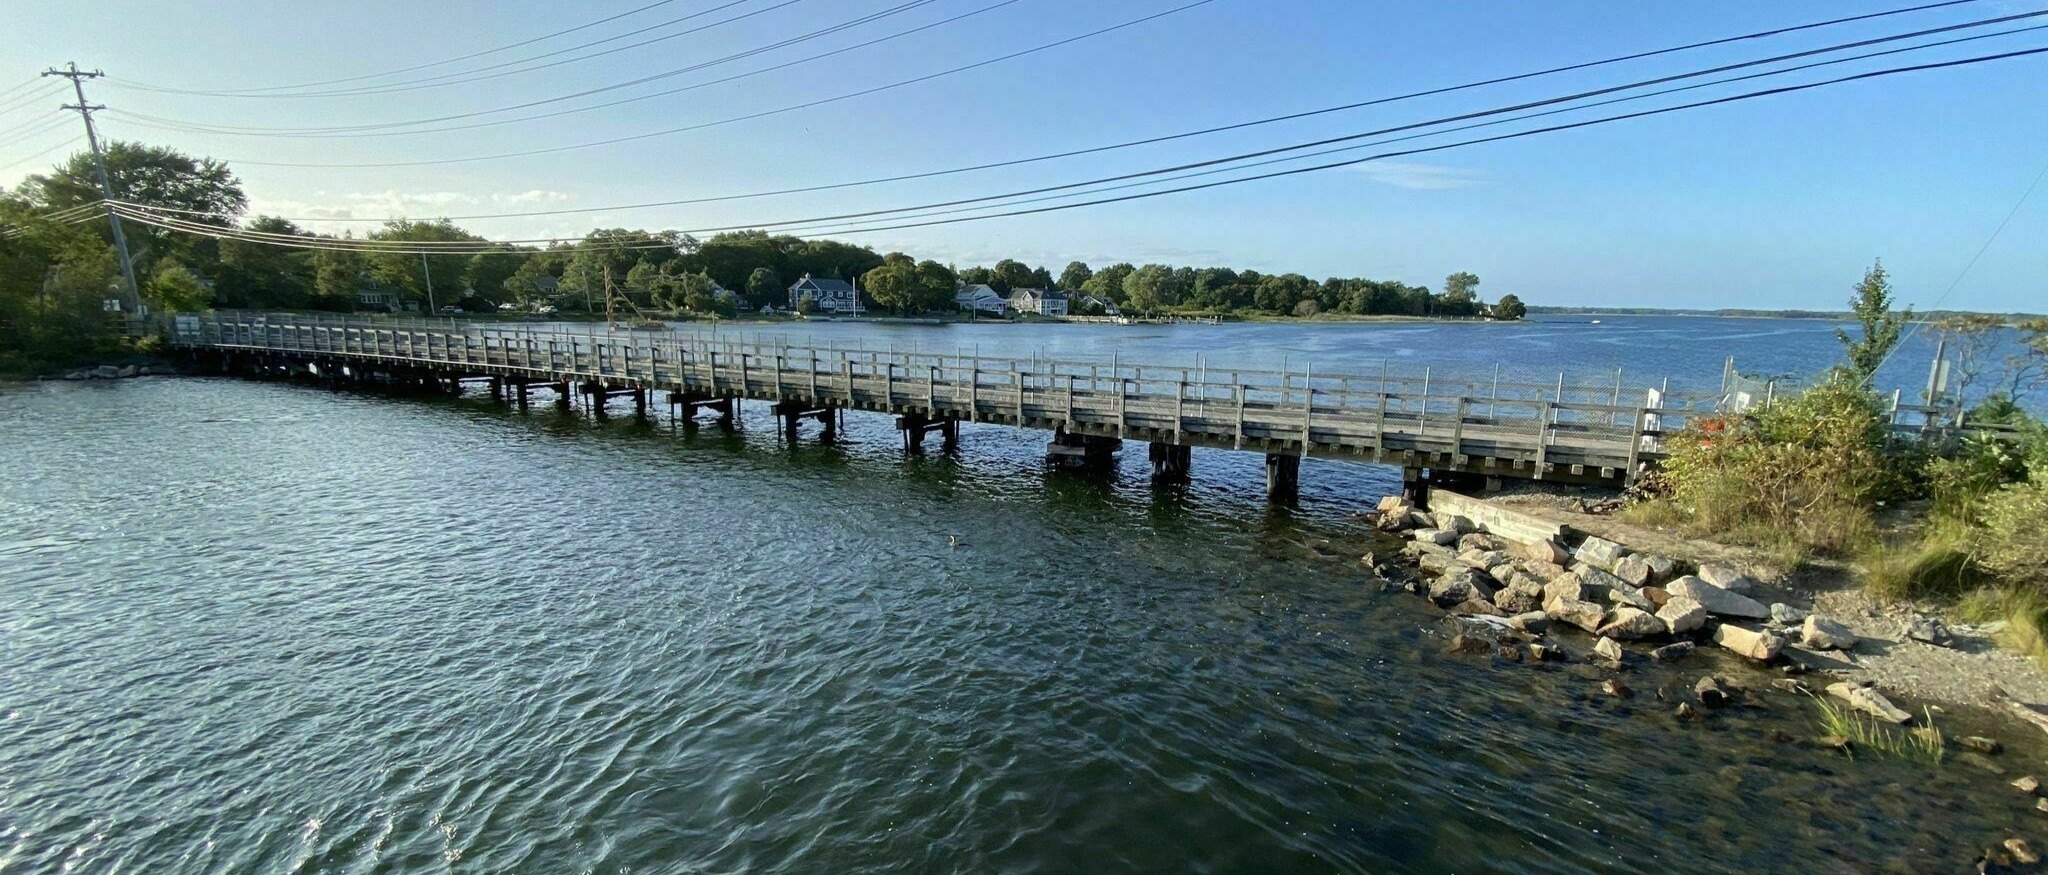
x,y
492,51
1971,264
365,130
236,234
1245,156
1132,143
402,86
20,161
32,99
765,113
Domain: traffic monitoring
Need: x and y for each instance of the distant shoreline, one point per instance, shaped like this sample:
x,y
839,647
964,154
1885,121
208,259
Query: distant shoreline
x,y
1816,315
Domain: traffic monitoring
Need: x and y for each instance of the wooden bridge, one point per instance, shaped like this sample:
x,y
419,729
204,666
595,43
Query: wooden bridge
x,y
1471,429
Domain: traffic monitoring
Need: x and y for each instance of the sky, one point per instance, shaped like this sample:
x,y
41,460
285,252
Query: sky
x,y
1779,202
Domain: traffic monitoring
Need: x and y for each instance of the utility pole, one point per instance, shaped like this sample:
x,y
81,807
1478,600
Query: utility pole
x,y
92,138
429,270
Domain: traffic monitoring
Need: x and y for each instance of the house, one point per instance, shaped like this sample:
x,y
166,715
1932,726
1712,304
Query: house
x,y
980,299
1044,302
1103,305
374,295
828,295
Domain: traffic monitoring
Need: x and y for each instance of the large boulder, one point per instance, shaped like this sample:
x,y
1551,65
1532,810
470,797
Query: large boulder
x,y
1565,587
1520,595
1482,541
1630,624
1534,622
1577,612
1607,647
106,372
1482,560
1633,569
1543,571
1439,537
1682,615
1632,597
1458,585
1761,646
1600,552
1545,550
1821,633
1597,577
1868,701
1455,523
1718,601
1662,568
1393,513
1726,577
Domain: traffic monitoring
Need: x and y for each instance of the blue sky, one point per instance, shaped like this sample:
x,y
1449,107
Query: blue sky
x,y
1778,202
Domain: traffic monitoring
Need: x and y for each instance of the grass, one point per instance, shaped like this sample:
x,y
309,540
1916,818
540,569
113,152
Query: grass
x,y
2023,610
1864,733
1934,564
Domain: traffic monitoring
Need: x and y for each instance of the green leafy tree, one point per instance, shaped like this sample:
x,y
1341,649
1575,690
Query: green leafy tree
x,y
806,304
1010,274
1074,276
410,273
1108,283
337,276
1461,295
763,286
1510,307
1145,289
176,289
977,276
935,285
893,284
1882,326
152,175
263,275
699,294
488,271
529,284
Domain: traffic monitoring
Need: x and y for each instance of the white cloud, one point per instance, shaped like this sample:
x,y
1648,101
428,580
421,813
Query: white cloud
x,y
1420,176
532,197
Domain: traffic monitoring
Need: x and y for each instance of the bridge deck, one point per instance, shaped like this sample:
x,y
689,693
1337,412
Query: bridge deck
x,y
1514,429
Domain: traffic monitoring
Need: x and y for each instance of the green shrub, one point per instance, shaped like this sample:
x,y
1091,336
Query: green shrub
x,y
1938,564
1807,472
2014,541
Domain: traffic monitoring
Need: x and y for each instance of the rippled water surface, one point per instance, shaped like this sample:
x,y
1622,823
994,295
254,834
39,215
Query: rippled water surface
x,y
258,627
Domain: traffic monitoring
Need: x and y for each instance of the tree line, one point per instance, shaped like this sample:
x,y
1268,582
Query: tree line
x,y
55,278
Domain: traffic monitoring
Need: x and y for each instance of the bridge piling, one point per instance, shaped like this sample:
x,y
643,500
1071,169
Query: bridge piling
x,y
1082,450
1283,477
1171,462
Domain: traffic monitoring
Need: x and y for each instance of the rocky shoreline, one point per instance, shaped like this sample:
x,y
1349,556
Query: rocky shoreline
x,y
1525,590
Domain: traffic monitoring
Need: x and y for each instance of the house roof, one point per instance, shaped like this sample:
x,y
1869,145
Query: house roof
x,y
1041,294
824,285
970,292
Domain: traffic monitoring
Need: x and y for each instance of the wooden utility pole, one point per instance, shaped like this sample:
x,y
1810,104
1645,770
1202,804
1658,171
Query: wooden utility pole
x,y
99,162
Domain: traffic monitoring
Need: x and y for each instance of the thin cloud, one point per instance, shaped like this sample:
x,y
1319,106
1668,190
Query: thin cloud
x,y
1419,176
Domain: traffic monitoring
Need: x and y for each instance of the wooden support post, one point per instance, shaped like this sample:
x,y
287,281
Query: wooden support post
x,y
1283,478
1170,462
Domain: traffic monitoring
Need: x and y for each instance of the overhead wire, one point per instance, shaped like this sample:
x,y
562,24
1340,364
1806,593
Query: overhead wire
x,y
416,247
1142,141
1496,111
366,130
764,113
491,51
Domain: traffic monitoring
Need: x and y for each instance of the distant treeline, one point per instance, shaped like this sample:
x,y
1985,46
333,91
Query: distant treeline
x,y
1920,315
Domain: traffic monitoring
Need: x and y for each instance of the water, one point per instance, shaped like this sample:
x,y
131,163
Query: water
x,y
256,627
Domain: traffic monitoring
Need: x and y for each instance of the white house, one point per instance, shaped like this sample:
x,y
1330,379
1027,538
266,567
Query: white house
x,y
828,295
1044,302
981,299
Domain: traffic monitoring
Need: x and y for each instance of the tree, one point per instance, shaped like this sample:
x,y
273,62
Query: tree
x,y
1510,307
1010,274
488,271
1461,295
176,289
935,284
262,275
806,304
764,286
337,276
977,276
1882,327
1041,278
2027,370
894,284
699,294
1969,341
411,273
1108,283
1145,288
1074,276
529,285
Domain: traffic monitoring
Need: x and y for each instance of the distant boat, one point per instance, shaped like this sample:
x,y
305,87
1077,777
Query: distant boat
x,y
1595,322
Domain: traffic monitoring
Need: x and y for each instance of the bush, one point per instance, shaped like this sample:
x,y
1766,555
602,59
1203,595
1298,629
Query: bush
x,y
2014,541
1805,474
1937,565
